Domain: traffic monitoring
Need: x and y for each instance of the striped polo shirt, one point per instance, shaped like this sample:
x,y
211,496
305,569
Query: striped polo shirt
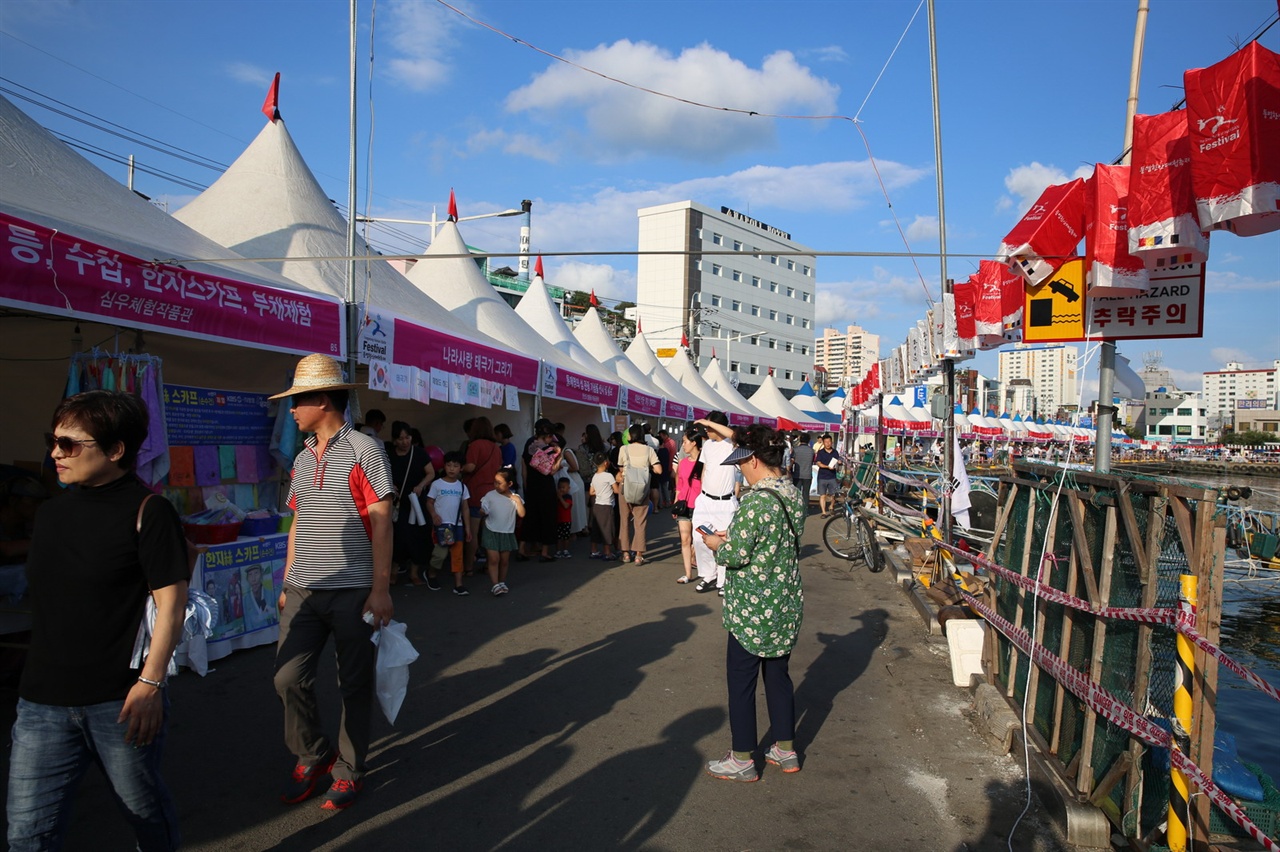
x,y
330,497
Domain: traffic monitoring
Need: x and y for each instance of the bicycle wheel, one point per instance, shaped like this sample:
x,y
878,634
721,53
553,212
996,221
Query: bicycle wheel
x,y
839,534
869,547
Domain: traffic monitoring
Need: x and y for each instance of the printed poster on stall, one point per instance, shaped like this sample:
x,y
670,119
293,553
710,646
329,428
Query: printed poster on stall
x,y
244,578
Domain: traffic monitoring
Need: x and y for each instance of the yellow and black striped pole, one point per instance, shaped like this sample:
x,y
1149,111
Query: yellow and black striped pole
x,y
1179,792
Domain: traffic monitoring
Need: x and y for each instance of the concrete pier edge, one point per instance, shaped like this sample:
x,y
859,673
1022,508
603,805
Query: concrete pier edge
x,y
1083,825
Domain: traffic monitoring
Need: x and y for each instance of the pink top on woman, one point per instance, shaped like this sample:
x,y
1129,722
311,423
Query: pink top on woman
x,y
686,489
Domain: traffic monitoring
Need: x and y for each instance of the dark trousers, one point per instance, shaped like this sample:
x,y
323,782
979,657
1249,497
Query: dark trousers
x,y
310,616
742,669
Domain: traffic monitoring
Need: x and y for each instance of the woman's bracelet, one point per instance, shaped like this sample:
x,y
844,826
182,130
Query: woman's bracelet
x,y
158,684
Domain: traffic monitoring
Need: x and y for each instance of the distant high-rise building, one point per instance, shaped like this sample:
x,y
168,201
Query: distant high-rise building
x,y
1233,388
746,298
1051,369
846,356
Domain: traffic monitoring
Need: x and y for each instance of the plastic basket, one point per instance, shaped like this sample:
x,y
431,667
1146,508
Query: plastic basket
x,y
1264,814
260,526
212,533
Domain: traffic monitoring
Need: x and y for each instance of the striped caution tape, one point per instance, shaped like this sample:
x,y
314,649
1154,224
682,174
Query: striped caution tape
x,y
1118,712
1155,615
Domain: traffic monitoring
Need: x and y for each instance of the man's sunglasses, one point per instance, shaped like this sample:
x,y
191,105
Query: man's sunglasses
x,y
69,447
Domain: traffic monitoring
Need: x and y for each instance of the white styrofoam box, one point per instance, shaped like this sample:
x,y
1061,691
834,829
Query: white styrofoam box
x,y
964,640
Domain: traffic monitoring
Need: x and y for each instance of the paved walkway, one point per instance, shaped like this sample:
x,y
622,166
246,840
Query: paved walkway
x,y
576,713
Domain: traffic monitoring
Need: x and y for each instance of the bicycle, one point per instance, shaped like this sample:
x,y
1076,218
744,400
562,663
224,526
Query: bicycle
x,y
849,535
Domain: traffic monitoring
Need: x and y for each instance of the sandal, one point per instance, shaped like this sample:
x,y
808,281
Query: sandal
x,y
626,557
682,579
640,560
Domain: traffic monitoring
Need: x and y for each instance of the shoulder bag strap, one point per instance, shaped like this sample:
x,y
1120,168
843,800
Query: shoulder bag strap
x,y
795,538
142,507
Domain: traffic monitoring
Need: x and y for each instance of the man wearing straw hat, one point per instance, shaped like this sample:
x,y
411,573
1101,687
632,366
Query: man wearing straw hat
x,y
337,582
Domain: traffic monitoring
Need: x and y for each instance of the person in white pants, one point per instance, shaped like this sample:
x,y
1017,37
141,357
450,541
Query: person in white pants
x,y
718,501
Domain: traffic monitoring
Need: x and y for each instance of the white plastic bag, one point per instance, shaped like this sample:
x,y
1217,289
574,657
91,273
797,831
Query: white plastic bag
x,y
391,672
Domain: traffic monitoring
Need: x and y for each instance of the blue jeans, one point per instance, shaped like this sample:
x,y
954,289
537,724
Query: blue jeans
x,y
52,748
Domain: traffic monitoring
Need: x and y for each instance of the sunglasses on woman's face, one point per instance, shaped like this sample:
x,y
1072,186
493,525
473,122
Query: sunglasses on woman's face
x,y
69,447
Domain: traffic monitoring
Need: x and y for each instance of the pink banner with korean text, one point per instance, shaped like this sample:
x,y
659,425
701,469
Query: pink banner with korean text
x,y
643,403
56,273
575,387
673,410
416,346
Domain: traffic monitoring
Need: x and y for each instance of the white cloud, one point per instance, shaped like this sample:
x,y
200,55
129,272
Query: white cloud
x,y
863,301
923,228
624,122
1221,282
515,144
1027,182
829,53
1222,354
609,284
247,72
422,35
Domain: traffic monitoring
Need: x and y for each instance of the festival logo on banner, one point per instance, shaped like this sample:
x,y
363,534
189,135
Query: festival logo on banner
x,y
377,337
624,396
548,379
56,273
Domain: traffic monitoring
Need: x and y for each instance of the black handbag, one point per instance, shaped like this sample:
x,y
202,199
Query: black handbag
x,y
681,509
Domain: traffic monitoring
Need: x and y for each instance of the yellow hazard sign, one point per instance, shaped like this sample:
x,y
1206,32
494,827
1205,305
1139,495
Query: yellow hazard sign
x,y
667,353
1054,310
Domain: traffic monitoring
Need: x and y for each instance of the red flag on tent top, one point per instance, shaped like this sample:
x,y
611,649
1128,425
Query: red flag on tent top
x,y
271,106
639,329
684,340
771,371
453,206
595,303
537,267
713,352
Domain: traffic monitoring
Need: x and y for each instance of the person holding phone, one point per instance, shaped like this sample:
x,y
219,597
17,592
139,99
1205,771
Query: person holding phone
x,y
763,604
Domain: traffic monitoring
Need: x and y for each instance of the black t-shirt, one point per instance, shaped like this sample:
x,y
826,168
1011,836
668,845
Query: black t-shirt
x,y
88,575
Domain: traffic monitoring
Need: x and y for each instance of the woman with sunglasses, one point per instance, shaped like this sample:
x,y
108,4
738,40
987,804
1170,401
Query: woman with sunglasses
x,y
96,552
763,604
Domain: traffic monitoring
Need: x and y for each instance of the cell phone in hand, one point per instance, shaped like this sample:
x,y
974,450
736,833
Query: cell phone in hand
x,y
706,529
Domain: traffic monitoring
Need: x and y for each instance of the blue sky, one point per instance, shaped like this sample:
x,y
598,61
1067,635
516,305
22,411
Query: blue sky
x,y
1032,93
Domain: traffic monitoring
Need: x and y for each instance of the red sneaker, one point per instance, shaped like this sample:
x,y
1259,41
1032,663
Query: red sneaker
x,y
342,794
305,780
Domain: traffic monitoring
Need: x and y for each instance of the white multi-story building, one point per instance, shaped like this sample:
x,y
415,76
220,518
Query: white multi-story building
x,y
846,356
732,286
1175,417
1051,369
1225,389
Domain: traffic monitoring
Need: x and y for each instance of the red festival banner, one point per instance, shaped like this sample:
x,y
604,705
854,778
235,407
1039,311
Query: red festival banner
x,y
1233,110
1049,232
576,387
55,273
1163,227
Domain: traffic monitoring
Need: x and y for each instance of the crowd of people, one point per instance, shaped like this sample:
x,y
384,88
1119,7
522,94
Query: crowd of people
x,y
368,512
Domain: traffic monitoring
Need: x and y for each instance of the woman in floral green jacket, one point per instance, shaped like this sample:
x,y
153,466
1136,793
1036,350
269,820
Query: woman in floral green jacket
x,y
763,604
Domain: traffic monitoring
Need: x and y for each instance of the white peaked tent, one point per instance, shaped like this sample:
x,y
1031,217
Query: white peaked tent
x,y
686,374
591,333
46,184
769,397
835,403
538,310
715,376
269,204
807,401
459,285
640,353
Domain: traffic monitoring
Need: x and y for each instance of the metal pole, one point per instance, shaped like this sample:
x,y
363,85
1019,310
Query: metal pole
x,y
948,366
525,230
352,316
1107,357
